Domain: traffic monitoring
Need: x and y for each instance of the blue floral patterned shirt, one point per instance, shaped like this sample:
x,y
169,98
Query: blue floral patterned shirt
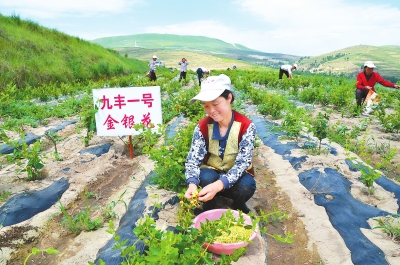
x,y
198,150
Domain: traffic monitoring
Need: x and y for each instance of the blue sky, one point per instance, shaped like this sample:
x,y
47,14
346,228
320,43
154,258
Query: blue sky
x,y
298,27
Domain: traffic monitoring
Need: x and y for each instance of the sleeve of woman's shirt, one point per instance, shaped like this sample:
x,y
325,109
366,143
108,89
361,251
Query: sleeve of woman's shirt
x,y
383,82
195,157
360,84
243,159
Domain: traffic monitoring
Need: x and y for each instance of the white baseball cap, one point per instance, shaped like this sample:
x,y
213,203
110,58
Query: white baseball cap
x,y
369,64
212,87
295,65
154,57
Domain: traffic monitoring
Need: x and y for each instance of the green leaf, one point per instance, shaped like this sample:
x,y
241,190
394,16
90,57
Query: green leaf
x,y
151,258
52,251
208,260
190,252
154,251
35,251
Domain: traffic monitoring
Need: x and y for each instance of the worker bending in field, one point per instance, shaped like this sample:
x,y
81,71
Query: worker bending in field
x,y
366,81
287,70
202,72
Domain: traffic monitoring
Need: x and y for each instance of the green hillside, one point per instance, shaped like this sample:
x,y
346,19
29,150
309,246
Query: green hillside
x,y
170,41
198,44
32,55
170,58
350,61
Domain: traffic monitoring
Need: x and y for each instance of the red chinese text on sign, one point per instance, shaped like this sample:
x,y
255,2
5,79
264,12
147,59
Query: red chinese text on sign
x,y
110,122
120,109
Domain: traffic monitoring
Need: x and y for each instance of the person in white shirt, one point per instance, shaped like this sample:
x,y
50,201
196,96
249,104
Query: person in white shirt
x,y
184,63
201,71
287,70
152,65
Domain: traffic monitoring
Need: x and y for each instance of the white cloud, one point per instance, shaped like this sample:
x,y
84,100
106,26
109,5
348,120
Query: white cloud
x,y
52,8
308,27
311,27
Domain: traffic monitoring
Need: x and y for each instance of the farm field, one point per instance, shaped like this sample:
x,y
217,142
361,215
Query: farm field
x,y
332,170
196,60
170,43
349,60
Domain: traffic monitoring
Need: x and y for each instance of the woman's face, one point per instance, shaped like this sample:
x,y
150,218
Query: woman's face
x,y
368,70
219,109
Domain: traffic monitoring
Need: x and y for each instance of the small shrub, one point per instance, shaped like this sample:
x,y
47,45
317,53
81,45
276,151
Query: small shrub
x,y
294,121
390,225
341,96
146,139
390,122
108,211
36,251
81,221
4,195
309,95
368,177
88,121
319,127
22,153
170,160
273,105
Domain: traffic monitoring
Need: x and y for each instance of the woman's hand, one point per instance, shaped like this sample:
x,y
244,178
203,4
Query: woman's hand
x,y
209,191
367,87
189,192
396,86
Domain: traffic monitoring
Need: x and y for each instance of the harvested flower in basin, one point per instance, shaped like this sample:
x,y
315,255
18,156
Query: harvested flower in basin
x,y
235,234
224,231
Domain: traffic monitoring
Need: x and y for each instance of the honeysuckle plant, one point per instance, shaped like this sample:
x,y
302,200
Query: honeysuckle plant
x,y
186,245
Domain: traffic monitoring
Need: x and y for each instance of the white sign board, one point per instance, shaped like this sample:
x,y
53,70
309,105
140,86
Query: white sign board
x,y
119,109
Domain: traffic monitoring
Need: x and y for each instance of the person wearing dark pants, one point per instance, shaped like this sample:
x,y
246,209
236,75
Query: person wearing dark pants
x,y
183,63
153,76
366,81
201,72
152,71
240,192
287,70
361,95
220,156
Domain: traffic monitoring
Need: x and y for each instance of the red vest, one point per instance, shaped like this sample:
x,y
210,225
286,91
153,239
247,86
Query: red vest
x,y
239,127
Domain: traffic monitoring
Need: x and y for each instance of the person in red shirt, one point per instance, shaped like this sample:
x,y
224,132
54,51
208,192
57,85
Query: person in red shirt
x,y
367,79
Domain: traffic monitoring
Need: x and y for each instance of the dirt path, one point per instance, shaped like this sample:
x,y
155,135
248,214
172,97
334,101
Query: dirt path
x,y
268,197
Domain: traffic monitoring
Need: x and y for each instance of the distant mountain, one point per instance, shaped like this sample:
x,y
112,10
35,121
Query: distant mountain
x,y
349,61
197,44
